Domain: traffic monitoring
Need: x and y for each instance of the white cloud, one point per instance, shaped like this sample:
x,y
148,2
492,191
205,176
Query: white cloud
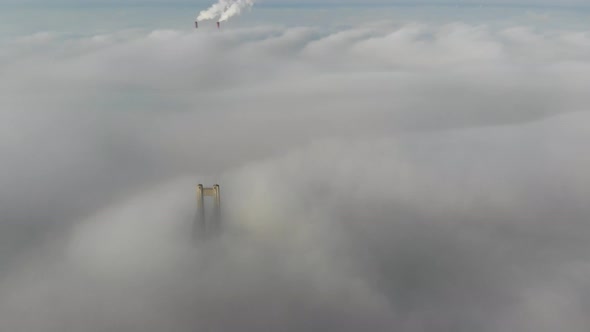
x,y
423,177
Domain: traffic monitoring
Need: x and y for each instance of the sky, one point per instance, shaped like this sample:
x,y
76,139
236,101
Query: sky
x,y
554,3
382,168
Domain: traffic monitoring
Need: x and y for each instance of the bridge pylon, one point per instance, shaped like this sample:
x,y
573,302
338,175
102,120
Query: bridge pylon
x,y
207,225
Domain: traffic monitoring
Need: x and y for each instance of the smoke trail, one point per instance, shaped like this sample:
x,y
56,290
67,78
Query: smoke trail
x,y
235,9
224,9
214,11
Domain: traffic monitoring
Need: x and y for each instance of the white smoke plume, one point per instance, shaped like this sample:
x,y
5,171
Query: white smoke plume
x,y
235,9
224,9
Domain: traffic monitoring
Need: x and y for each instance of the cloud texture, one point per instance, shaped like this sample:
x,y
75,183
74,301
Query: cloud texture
x,y
382,178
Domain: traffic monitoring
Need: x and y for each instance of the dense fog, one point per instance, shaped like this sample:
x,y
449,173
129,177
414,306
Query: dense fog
x,y
384,177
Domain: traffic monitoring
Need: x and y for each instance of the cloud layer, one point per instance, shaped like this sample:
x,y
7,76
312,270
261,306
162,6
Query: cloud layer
x,y
385,177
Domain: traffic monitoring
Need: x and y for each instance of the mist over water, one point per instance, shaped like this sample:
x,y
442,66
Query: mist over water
x,y
381,177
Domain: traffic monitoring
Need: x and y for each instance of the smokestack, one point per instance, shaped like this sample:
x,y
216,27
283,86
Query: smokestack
x,y
196,24
217,25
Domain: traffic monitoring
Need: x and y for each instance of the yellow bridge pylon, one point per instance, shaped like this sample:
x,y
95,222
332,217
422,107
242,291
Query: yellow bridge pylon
x,y
205,227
